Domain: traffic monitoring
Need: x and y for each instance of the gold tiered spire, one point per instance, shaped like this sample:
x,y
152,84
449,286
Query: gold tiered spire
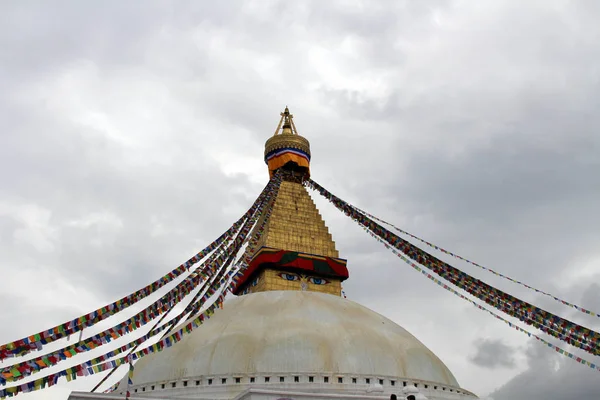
x,y
296,224
296,250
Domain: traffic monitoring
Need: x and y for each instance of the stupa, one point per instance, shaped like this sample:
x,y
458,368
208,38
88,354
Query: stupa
x,y
288,333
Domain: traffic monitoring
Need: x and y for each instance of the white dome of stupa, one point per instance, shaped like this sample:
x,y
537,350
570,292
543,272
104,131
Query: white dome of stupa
x,y
294,337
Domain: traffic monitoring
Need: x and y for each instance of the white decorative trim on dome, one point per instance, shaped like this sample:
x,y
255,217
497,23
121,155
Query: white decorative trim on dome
x,y
355,382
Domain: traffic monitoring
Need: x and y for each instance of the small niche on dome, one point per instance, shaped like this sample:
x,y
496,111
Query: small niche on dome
x,y
185,383
210,381
368,381
296,379
223,381
326,379
340,379
381,381
311,379
353,380
267,379
252,379
238,380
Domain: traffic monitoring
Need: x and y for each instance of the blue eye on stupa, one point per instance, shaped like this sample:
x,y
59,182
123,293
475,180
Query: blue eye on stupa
x,y
318,281
289,277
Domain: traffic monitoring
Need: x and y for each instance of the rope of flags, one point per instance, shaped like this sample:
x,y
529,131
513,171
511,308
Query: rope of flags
x,y
258,232
221,259
194,306
23,369
564,302
231,252
89,368
512,325
38,340
552,324
545,327
112,388
102,363
156,329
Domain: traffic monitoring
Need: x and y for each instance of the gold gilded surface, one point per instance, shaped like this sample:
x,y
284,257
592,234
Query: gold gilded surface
x,y
288,137
287,140
296,224
270,279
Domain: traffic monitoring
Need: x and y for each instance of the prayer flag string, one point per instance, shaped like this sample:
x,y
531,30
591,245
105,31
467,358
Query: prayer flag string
x,y
554,325
30,366
234,248
21,370
38,340
564,302
256,235
100,364
196,305
89,368
512,325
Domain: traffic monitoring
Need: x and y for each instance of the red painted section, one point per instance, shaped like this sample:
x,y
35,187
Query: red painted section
x,y
319,266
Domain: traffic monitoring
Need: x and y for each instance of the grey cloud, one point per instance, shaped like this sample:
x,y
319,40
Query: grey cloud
x,y
482,139
550,377
493,354
553,376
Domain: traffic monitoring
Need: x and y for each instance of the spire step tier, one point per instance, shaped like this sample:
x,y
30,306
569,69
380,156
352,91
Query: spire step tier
x,y
296,250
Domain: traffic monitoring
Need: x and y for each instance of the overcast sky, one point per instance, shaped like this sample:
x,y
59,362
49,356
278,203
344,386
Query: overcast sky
x,y
132,136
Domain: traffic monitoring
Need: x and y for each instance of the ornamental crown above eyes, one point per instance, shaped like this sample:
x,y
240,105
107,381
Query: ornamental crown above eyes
x,y
297,277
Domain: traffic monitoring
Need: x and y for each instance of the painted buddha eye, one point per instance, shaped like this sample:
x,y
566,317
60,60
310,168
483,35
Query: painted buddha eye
x,y
289,277
318,281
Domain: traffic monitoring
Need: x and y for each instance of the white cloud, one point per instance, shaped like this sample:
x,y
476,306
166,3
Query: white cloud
x,y
133,136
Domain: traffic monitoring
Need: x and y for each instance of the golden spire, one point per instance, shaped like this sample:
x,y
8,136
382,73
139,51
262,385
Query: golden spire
x,y
286,147
295,250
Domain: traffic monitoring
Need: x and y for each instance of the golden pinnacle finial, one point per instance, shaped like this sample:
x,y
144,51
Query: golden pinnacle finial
x,y
286,145
287,120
